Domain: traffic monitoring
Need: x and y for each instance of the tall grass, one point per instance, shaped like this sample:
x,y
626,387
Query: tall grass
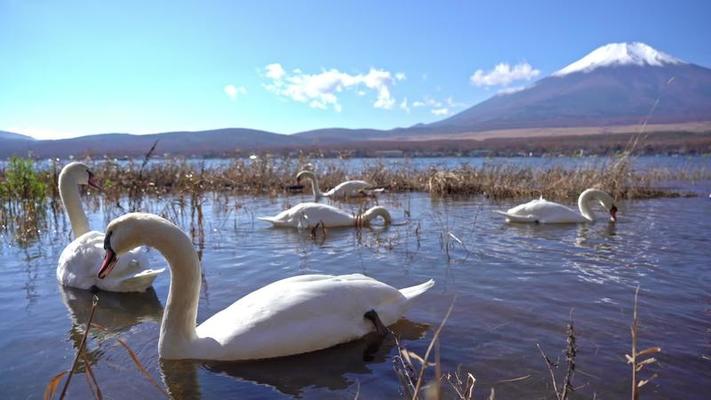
x,y
272,177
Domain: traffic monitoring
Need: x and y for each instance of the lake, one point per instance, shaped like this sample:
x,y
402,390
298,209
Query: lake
x,y
512,287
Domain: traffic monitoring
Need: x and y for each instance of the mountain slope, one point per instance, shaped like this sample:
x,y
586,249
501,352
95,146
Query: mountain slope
x,y
615,84
13,136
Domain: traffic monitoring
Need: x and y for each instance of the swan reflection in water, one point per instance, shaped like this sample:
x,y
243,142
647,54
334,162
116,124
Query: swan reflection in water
x,y
115,312
324,369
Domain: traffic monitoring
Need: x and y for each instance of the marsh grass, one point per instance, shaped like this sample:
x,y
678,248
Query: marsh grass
x,y
274,177
638,360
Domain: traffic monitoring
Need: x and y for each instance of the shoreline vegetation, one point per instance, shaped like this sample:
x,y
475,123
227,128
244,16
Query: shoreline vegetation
x,y
23,181
29,193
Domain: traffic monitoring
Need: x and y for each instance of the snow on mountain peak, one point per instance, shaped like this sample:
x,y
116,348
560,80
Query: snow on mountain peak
x,y
634,53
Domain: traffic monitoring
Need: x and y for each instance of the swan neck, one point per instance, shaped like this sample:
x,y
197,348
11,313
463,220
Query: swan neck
x,y
377,212
177,331
71,199
584,205
314,186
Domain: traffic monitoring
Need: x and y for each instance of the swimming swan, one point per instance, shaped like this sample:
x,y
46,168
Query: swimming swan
x,y
342,190
308,215
291,316
548,212
78,261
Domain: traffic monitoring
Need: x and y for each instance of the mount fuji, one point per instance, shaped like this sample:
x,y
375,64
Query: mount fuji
x,y
616,84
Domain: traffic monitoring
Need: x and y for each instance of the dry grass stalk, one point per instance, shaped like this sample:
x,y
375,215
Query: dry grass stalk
x,y
52,386
91,379
566,386
464,388
412,380
141,368
639,359
435,338
80,349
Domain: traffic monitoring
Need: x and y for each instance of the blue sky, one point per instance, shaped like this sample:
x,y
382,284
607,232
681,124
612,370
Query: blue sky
x,y
70,68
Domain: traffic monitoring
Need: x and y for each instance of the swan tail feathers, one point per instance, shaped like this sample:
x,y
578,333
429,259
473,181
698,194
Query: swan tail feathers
x,y
415,291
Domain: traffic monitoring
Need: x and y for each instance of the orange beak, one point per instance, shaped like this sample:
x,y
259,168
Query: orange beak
x,y
107,264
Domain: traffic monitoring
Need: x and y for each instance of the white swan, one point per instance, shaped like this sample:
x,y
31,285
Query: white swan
x,y
548,212
343,190
77,263
308,215
291,316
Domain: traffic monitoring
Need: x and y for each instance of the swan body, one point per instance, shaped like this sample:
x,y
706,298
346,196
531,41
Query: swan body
x,y
287,317
347,189
308,215
77,262
547,212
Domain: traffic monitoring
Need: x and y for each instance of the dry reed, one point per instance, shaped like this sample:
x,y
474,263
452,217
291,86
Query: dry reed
x,y
639,359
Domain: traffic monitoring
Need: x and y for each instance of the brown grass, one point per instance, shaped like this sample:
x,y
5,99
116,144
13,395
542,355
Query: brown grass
x,y
273,177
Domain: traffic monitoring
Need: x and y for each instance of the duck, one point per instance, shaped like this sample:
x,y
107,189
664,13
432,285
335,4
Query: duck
x,y
344,190
291,316
548,212
77,263
308,215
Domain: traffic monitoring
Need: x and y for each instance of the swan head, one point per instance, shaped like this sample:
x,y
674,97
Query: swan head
x,y
125,233
606,201
609,204
305,174
80,174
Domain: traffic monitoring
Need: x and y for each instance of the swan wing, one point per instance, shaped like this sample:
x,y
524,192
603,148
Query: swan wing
x,y
543,211
348,189
516,218
307,215
300,314
80,260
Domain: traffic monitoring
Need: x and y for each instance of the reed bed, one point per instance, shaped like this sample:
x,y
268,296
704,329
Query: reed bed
x,y
276,176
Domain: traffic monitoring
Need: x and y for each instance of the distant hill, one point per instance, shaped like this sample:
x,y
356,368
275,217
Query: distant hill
x,y
204,143
13,136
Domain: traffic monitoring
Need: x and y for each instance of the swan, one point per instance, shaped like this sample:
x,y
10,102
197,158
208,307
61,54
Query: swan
x,y
77,262
308,215
548,212
343,190
287,317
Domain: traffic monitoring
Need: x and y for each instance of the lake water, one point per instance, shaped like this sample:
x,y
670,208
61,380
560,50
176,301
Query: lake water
x,y
513,287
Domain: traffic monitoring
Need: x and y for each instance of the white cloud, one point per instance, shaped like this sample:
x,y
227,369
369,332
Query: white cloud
x,y
404,106
233,91
440,111
400,76
503,74
321,90
418,104
274,71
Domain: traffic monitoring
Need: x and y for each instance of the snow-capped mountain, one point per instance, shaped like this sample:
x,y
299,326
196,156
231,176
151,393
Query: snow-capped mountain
x,y
616,84
615,54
